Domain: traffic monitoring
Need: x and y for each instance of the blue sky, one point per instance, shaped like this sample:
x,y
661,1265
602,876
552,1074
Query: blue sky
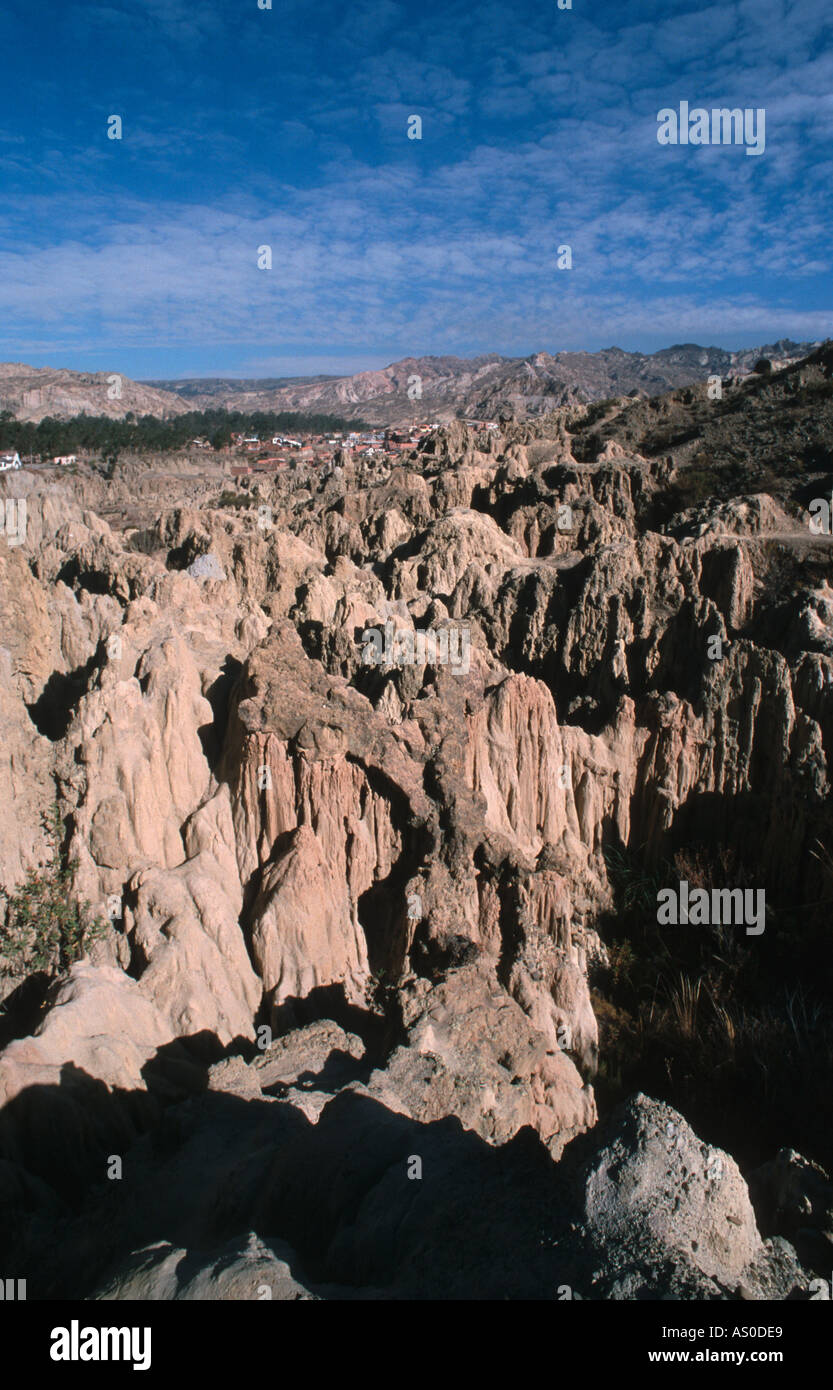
x,y
288,127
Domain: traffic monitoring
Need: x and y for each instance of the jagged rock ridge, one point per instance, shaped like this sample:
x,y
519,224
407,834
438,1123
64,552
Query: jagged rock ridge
x,y
411,860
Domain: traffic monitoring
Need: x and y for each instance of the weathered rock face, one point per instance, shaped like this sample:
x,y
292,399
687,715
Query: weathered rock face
x,y
303,935
27,653
479,1057
410,856
76,1090
184,923
794,1198
544,785
652,1192
651,1151
327,798
142,762
99,1022
245,1269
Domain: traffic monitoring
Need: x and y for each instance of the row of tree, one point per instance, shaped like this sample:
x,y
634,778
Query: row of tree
x,y
149,434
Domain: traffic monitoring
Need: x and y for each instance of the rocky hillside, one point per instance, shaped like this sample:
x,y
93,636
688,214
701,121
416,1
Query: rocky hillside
x,y
31,393
449,388
366,936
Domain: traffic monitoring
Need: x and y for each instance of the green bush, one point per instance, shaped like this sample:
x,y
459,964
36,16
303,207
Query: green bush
x,y
46,928
234,499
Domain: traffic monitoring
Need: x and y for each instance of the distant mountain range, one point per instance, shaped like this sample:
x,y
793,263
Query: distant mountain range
x,y
479,387
417,388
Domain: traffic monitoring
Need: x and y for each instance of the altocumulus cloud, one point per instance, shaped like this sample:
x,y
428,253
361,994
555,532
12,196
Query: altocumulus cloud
x,y
539,130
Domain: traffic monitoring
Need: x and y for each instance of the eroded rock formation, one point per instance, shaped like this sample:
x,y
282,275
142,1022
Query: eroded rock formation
x,y
281,836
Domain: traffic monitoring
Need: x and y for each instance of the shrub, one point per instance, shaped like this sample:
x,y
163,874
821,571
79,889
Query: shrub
x,y
46,927
234,499
738,1037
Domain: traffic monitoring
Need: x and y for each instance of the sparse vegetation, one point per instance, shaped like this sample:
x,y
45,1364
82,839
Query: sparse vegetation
x,y
739,1039
46,927
697,485
235,500
590,415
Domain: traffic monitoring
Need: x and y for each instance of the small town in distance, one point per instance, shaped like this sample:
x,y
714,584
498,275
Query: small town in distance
x,y
315,450
246,454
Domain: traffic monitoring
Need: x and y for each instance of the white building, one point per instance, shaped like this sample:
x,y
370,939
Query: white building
x,y
9,461
65,459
